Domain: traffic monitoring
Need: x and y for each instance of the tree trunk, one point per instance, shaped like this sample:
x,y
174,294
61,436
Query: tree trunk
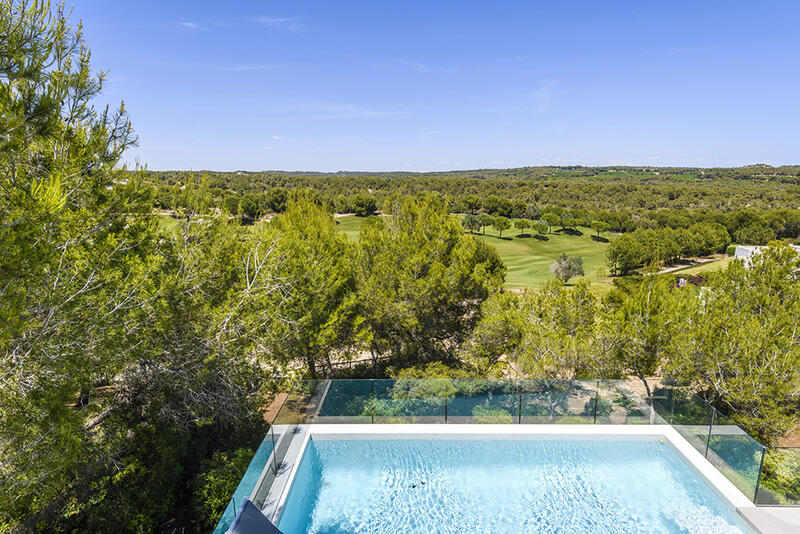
x,y
312,365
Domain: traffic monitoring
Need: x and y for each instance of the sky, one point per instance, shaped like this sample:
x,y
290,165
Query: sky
x,y
419,86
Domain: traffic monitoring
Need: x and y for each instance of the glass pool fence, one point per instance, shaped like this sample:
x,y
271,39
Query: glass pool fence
x,y
766,475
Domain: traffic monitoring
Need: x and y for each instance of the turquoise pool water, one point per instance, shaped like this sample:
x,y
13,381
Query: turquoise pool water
x,y
499,486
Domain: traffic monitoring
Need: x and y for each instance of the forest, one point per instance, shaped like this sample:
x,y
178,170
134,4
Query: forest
x,y
138,360
693,213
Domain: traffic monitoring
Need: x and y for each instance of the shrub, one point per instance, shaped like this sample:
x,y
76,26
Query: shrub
x,y
565,267
215,484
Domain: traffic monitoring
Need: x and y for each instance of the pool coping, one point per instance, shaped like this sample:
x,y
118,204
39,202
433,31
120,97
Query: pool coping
x,y
730,495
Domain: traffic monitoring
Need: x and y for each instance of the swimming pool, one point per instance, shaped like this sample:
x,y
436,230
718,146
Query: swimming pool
x,y
403,484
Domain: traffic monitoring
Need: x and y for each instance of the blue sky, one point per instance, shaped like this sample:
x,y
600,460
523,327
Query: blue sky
x,y
451,85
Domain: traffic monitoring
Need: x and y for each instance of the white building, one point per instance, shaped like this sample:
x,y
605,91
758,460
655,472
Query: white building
x,y
743,252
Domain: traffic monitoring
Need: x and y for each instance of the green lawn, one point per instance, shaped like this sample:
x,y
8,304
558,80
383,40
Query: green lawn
x,y
528,259
350,225
707,267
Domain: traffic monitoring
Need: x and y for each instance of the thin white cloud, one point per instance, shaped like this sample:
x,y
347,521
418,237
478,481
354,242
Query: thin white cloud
x,y
277,137
193,26
283,23
426,69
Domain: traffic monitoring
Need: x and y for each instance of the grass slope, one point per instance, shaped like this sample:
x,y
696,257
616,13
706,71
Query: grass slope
x,y
350,225
527,259
708,267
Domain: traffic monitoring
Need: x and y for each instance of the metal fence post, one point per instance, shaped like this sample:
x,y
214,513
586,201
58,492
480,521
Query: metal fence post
x,y
372,398
445,404
274,451
758,480
519,388
672,407
596,398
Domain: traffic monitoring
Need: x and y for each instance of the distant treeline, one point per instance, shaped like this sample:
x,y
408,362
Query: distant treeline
x,y
754,204
598,188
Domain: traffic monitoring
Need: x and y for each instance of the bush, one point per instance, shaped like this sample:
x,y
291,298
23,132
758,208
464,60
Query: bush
x,y
565,267
491,415
214,486
755,234
364,205
781,475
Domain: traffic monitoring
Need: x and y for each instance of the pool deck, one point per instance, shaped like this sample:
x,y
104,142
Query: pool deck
x,y
764,519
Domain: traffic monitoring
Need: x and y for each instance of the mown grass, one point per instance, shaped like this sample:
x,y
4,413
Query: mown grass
x,y
708,267
350,225
528,259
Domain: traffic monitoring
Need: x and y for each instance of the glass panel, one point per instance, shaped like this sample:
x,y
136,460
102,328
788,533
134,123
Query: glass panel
x,y
691,417
735,453
303,402
618,404
410,401
663,397
247,484
346,401
301,406
547,401
780,477
267,476
483,401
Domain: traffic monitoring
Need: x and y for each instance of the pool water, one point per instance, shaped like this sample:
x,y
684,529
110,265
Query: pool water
x,y
499,486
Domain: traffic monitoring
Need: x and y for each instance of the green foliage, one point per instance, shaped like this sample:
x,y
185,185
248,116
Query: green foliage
x,y
600,227
486,220
548,333
755,234
522,225
472,203
498,333
728,341
120,343
565,267
315,311
420,279
532,212
471,223
733,343
491,415
500,224
539,226
641,330
216,482
551,219
665,245
674,197
781,475
364,205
